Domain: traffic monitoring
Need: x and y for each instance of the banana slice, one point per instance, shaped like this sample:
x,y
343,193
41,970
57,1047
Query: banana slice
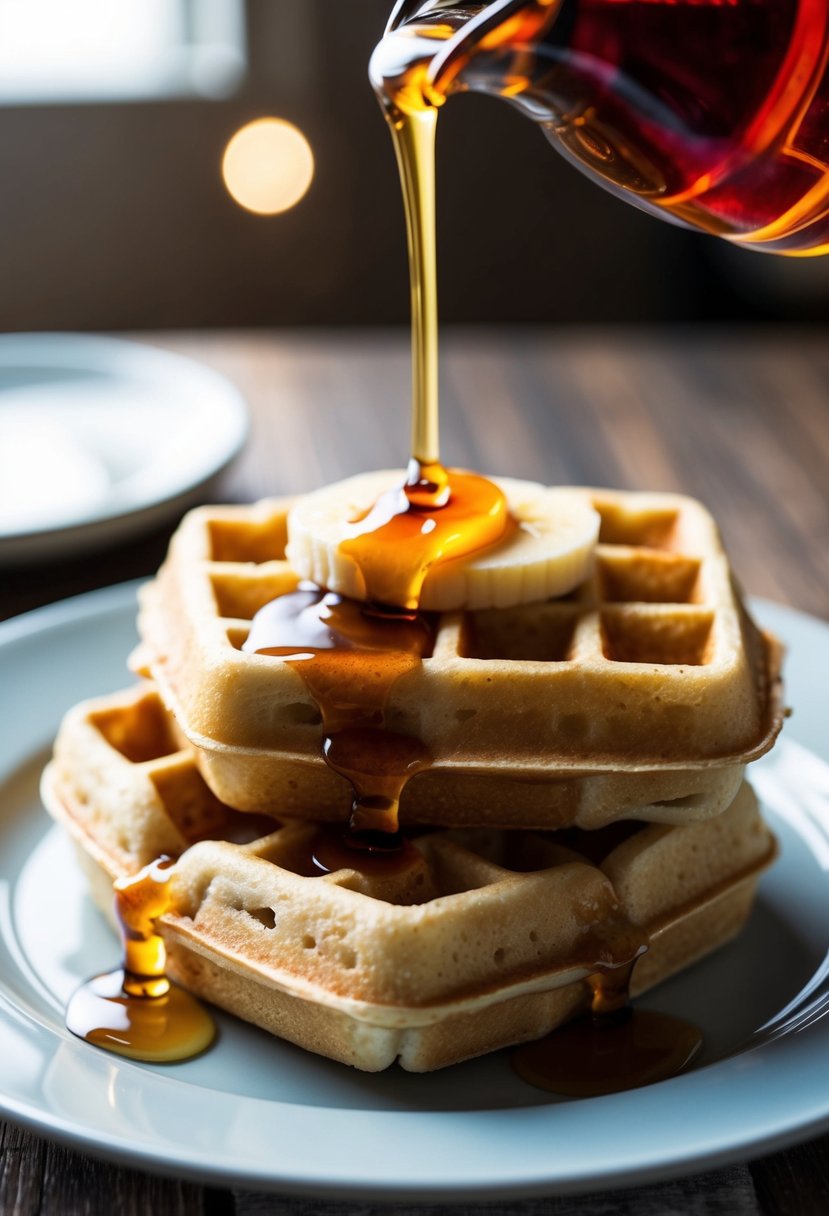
x,y
546,553
549,553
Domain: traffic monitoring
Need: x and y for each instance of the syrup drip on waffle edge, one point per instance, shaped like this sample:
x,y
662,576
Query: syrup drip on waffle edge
x,y
351,654
134,1010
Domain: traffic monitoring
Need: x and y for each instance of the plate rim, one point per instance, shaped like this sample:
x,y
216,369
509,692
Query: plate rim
x,y
193,1164
102,351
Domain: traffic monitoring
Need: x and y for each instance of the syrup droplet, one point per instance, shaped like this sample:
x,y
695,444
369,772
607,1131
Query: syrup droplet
x,y
135,1011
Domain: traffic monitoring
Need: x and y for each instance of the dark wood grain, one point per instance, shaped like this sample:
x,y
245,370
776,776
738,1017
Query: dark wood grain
x,y
723,1193
42,1179
795,1182
738,420
74,1185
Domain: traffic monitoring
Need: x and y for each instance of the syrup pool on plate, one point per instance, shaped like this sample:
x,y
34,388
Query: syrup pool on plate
x,y
135,1011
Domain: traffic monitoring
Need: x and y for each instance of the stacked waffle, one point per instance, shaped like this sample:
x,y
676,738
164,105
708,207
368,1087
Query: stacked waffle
x,y
587,780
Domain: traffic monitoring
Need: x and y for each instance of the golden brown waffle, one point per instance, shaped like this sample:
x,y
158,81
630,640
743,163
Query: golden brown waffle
x,y
133,784
483,943
641,695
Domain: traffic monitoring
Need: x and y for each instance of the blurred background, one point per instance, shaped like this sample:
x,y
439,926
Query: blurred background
x,y
114,122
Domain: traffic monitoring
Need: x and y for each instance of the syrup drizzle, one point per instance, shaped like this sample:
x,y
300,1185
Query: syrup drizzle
x,y
350,656
613,1046
331,846
436,515
135,1011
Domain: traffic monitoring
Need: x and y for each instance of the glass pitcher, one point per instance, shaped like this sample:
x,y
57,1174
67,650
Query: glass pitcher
x,y
710,113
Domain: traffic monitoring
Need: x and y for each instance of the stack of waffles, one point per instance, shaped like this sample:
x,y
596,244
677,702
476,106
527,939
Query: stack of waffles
x,y
589,756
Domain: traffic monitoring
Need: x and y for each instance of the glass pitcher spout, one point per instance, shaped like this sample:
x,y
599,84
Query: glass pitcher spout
x,y
710,113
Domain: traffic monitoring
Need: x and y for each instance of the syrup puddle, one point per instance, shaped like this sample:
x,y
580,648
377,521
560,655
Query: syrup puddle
x,y
134,1010
585,1060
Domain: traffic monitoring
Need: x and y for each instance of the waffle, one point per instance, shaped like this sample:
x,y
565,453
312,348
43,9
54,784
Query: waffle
x,y
483,943
641,695
130,777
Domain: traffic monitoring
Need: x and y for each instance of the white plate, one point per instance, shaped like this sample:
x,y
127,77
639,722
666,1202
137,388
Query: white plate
x,y
101,439
259,1112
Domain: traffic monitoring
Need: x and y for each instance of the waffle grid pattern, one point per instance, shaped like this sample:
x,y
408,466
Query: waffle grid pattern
x,y
647,602
653,663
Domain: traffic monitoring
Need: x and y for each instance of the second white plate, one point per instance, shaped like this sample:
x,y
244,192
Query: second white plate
x,y
101,439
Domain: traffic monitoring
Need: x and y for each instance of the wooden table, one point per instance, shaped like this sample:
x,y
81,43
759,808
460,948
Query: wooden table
x,y
738,420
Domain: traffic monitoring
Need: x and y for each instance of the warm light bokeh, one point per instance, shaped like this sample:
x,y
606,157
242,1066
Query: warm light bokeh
x,y
268,166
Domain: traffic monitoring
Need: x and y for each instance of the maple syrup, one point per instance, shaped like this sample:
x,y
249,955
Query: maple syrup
x,y
333,846
612,1048
135,1011
351,653
434,516
616,1046
350,656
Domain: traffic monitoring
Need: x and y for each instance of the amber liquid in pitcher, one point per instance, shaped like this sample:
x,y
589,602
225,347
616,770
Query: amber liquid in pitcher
x,y
710,113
